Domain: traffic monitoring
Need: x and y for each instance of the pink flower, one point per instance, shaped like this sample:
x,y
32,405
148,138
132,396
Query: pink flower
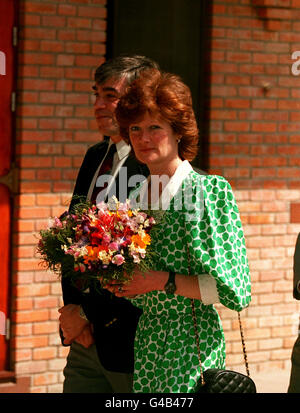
x,y
113,246
79,267
82,267
106,237
118,259
57,223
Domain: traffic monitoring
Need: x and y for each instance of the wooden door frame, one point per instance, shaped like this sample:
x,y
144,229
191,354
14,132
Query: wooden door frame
x,y
7,375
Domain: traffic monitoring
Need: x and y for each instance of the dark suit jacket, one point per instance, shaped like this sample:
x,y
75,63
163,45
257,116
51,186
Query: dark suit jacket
x,y
115,342
296,289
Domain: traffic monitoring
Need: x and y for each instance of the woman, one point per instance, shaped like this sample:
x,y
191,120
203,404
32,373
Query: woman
x,y
201,234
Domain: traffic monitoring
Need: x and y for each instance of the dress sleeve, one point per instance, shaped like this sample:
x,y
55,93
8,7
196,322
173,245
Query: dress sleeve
x,y
216,242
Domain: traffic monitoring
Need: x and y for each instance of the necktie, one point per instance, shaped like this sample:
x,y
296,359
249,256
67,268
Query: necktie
x,y
105,169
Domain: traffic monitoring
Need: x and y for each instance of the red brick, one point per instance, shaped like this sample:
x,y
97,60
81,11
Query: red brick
x,y
51,46
82,47
63,136
289,173
78,73
63,187
237,103
236,126
24,252
24,226
76,124
37,59
67,10
64,111
29,97
23,355
48,199
53,21
45,327
66,34
79,23
26,149
51,97
31,20
38,7
36,162
92,12
39,33
29,45
26,264
62,162
40,136
77,98
34,187
23,304
65,60
48,302
48,174
37,110
45,378
264,127
91,36
223,114
31,317
295,212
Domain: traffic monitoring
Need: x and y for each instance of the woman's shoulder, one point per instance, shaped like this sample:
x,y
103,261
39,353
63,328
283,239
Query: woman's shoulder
x,y
209,180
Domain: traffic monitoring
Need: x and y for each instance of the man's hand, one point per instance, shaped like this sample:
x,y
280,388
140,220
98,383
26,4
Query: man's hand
x,y
71,323
86,338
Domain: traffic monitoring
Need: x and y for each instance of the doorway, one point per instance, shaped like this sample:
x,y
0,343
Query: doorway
x,y
175,33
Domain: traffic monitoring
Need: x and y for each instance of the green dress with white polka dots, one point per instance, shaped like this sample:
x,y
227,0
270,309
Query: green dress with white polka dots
x,y
201,233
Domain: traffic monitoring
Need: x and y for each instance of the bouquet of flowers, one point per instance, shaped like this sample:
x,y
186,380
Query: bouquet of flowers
x,y
102,243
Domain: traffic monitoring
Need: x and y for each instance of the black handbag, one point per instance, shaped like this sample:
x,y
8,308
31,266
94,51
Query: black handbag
x,y
223,381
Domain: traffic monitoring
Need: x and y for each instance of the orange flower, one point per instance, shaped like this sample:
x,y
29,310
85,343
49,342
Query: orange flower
x,y
147,239
141,242
92,254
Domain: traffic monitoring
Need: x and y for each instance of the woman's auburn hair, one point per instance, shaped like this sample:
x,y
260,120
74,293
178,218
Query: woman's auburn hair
x,y
165,95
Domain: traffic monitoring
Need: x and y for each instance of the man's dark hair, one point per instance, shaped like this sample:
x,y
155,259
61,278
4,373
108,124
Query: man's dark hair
x,y
124,66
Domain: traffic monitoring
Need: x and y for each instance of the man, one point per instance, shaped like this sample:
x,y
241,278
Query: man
x,y
294,386
99,326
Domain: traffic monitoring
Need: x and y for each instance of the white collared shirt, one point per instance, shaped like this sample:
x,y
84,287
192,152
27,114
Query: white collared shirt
x,y
122,153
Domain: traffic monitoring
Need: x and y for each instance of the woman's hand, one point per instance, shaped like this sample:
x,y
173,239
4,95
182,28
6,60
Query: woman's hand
x,y
141,283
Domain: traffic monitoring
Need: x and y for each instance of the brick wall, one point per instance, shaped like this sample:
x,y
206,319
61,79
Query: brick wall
x,y
254,139
61,43
254,142
271,321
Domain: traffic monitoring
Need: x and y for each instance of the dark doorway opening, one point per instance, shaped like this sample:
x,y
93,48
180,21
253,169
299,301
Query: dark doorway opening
x,y
175,33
